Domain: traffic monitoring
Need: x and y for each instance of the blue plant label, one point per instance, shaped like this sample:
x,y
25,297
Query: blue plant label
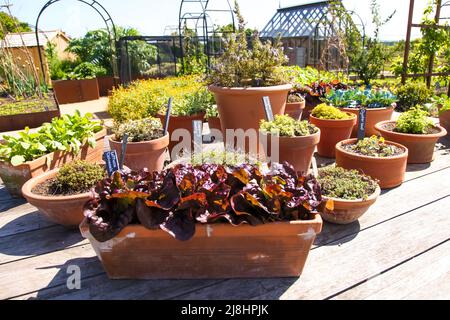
x,y
124,150
362,123
111,161
169,110
197,126
268,109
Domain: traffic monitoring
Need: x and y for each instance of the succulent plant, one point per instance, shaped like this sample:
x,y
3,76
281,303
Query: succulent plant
x,y
286,126
139,130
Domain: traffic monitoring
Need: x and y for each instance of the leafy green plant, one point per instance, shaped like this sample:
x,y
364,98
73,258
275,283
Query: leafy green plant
x,y
212,111
324,111
67,133
444,104
414,121
193,103
356,98
301,77
86,70
77,177
286,126
373,147
412,94
139,130
345,184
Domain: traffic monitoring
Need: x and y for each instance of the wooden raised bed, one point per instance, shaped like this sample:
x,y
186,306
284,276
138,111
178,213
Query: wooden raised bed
x,y
106,84
73,91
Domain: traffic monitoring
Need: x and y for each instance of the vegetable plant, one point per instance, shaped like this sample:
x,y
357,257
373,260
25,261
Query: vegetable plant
x,y
286,126
320,89
414,121
77,177
412,94
373,147
139,130
324,111
356,98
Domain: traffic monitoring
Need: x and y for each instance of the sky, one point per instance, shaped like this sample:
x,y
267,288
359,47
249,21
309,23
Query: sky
x,y
156,17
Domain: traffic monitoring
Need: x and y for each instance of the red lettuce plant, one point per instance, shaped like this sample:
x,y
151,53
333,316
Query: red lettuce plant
x,y
178,198
320,89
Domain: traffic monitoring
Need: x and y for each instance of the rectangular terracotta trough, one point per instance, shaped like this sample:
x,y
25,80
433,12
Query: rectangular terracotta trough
x,y
216,251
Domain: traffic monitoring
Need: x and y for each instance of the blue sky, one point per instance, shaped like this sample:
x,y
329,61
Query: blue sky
x,y
151,17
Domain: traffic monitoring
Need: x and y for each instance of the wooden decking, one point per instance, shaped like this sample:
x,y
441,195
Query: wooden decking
x,y
400,249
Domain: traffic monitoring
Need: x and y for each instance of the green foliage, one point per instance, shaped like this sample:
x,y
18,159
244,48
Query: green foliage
x,y
194,103
87,70
139,130
344,184
414,121
10,24
301,77
243,67
373,147
194,61
444,103
28,106
355,98
286,126
412,94
78,177
212,111
67,133
324,111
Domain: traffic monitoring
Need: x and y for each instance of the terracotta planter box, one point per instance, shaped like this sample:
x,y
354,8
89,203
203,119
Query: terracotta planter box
x,y
63,210
216,251
15,177
106,84
295,110
389,171
420,146
444,120
373,116
73,91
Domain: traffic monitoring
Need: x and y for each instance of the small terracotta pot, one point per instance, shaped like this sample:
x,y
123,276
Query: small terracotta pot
x,y
332,131
146,154
310,103
181,122
444,120
389,171
214,123
295,109
298,151
63,210
347,211
373,116
420,146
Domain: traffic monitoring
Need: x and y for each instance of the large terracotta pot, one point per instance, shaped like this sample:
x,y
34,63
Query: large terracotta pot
x,y
181,122
295,109
444,120
146,154
389,171
298,151
420,146
216,251
63,210
342,211
14,177
310,103
332,131
373,116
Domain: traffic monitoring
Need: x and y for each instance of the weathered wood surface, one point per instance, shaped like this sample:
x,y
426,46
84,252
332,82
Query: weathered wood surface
x,y
397,250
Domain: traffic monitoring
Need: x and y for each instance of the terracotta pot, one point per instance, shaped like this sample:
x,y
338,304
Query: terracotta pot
x,y
420,146
347,211
373,116
298,151
310,103
73,91
214,123
146,154
444,120
181,122
295,110
216,251
63,210
332,131
15,177
389,171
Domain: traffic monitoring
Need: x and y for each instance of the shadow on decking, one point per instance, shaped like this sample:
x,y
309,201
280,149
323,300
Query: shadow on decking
x,y
7,202
335,234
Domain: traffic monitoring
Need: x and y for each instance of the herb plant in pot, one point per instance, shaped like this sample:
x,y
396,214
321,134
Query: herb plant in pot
x,y
295,105
416,131
147,144
297,141
334,124
346,194
61,194
383,160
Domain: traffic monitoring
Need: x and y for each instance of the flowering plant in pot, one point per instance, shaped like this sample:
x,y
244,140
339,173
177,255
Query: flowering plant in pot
x,y
297,140
146,145
347,194
416,131
140,217
241,77
60,194
334,124
383,160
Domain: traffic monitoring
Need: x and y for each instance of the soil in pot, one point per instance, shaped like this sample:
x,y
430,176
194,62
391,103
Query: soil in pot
x,y
373,116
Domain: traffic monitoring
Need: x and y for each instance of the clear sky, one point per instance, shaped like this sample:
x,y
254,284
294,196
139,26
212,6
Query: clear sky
x,y
151,17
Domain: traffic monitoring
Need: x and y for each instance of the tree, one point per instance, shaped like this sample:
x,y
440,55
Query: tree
x,y
9,24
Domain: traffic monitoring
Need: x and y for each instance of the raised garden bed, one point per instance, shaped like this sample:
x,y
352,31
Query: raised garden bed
x,y
73,91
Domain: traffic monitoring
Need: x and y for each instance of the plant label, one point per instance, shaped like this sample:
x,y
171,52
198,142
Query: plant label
x,y
169,110
268,108
111,161
197,127
124,150
362,123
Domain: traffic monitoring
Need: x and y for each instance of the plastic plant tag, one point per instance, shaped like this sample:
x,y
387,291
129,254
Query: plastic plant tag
x,y
111,161
362,123
268,109
197,127
169,110
124,150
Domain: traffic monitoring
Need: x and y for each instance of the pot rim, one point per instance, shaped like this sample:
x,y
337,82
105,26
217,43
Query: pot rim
x,y
372,197
440,134
155,141
243,90
391,107
350,141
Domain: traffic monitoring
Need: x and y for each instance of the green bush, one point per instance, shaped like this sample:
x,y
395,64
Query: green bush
x,y
288,127
86,70
414,121
78,177
412,94
324,111
139,130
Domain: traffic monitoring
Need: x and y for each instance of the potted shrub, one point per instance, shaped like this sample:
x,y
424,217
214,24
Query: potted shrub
x,y
295,105
63,140
147,144
383,160
334,124
241,78
412,94
60,194
141,223
212,115
297,140
416,131
380,105
346,194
